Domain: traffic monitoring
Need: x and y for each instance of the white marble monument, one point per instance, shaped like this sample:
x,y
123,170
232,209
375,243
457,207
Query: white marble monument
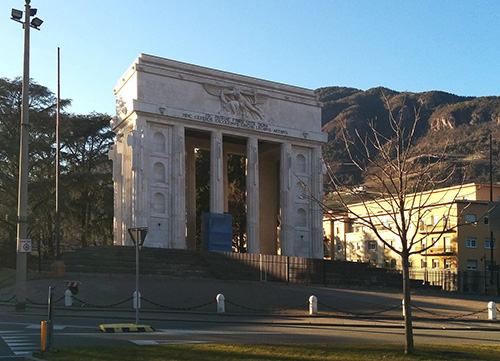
x,y
166,109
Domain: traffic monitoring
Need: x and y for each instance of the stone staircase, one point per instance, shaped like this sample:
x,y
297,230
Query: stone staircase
x,y
229,266
121,260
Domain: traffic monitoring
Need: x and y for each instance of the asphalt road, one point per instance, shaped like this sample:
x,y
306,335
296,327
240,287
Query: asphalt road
x,y
20,331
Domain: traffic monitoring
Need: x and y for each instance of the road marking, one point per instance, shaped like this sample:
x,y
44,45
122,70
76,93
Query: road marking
x,y
201,332
166,342
19,344
38,326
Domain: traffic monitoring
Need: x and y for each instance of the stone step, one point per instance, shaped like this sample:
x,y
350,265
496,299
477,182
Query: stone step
x,y
154,261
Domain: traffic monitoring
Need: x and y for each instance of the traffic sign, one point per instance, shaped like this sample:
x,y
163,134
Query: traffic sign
x,y
25,245
138,235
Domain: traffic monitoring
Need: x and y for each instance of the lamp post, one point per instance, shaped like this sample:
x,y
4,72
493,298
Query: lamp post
x,y
23,243
138,235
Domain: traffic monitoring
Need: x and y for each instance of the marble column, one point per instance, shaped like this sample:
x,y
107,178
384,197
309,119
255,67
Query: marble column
x,y
190,198
252,195
216,173
286,218
316,211
178,188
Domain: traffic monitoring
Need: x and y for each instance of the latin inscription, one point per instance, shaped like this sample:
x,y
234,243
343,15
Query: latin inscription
x,y
234,122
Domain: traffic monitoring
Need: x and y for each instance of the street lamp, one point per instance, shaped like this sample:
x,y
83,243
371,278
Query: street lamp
x,y
23,243
138,235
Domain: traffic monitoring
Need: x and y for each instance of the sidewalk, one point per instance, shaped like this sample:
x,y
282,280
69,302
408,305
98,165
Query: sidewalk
x,y
173,297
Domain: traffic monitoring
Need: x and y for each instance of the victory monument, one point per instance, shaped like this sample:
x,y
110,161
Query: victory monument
x,y
166,110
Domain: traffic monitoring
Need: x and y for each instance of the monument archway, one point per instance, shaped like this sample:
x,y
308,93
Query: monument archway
x,y
166,110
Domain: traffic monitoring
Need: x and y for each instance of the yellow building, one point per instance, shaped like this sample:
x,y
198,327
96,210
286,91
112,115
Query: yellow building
x,y
449,229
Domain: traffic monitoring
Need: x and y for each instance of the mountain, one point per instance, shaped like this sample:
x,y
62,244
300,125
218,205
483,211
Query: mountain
x,y
459,123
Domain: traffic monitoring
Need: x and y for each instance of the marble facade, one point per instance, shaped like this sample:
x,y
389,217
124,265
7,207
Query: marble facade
x,y
166,109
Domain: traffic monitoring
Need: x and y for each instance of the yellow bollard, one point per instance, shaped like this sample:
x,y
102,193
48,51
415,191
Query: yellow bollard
x,y
43,336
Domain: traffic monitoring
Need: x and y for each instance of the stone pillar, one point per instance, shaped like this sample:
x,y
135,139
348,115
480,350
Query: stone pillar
x,y
216,173
226,181
139,177
286,219
252,195
316,212
178,188
116,157
191,199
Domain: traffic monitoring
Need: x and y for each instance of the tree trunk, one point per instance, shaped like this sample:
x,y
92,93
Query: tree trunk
x,y
409,347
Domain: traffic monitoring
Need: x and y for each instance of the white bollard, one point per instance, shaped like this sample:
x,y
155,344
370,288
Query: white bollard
x,y
313,305
403,304
68,299
221,307
492,310
136,302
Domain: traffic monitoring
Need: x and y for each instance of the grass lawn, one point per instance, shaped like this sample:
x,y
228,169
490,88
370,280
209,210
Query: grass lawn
x,y
288,352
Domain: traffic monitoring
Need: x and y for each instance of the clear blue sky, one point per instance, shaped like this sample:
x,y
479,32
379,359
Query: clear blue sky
x,y
418,45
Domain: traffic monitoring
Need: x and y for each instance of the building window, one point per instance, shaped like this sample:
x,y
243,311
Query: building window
x,y
486,219
435,242
447,244
393,263
372,245
423,263
470,218
435,263
471,242
472,264
447,263
410,263
487,243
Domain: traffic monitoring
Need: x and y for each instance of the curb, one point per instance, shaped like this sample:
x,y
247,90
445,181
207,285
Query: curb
x,y
124,327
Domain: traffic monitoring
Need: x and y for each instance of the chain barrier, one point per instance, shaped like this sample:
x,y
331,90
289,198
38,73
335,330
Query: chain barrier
x,y
178,308
267,310
101,306
8,300
449,317
359,313
43,303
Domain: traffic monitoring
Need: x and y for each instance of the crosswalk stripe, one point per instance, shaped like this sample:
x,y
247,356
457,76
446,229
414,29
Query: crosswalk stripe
x,y
19,344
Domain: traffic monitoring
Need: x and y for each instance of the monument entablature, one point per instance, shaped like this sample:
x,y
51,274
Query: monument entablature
x,y
167,109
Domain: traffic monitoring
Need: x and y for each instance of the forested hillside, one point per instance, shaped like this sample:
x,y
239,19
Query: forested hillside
x,y
460,125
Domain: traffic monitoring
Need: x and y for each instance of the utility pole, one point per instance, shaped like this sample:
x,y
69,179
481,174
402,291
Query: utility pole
x,y
58,266
23,243
492,242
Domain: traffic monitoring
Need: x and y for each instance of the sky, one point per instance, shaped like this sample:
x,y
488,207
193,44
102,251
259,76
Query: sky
x,y
412,45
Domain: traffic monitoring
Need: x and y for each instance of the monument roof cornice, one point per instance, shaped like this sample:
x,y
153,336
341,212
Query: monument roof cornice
x,y
176,69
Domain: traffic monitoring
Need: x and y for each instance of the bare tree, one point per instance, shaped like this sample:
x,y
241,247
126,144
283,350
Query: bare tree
x,y
402,187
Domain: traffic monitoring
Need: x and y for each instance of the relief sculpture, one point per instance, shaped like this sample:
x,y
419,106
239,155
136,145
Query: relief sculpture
x,y
238,102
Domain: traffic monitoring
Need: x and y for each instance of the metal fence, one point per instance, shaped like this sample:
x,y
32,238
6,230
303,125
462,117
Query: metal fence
x,y
462,281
